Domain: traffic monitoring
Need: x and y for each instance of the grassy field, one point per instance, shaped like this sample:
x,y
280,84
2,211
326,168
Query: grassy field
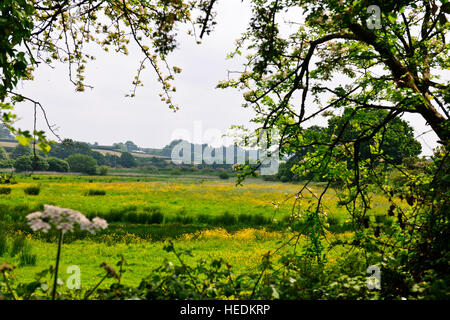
x,y
211,217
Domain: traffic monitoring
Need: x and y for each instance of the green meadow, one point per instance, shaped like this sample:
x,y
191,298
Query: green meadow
x,y
211,218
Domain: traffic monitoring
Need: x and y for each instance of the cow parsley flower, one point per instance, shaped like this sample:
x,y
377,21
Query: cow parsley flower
x,y
63,219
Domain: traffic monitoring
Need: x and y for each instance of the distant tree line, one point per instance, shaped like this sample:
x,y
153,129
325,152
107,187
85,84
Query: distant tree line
x,y
63,157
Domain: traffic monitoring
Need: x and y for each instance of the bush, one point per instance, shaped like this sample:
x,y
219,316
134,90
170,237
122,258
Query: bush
x,y
9,163
270,177
58,165
82,163
32,190
175,172
224,175
103,170
39,163
23,163
95,192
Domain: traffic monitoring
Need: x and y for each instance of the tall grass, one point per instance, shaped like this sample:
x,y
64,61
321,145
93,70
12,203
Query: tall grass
x,y
17,245
32,190
3,242
27,258
95,192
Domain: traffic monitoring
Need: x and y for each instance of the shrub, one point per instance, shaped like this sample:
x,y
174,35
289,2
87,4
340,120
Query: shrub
x,y
23,163
39,163
8,163
270,178
224,175
58,165
82,163
7,179
32,190
175,172
103,170
5,190
95,192
150,169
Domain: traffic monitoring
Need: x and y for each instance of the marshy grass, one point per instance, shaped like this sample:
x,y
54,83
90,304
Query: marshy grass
x,y
32,190
95,192
3,243
27,257
5,190
18,244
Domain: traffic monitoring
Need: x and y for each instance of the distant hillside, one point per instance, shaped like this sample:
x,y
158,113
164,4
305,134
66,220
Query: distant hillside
x,y
5,134
12,144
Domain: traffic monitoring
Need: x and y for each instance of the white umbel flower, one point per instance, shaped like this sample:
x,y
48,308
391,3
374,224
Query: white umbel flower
x,y
63,219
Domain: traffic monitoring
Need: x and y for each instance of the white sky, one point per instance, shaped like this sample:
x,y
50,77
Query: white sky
x,y
105,115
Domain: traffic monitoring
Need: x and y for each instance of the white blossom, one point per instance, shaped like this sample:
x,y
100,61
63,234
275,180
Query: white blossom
x,y
63,219
38,225
101,223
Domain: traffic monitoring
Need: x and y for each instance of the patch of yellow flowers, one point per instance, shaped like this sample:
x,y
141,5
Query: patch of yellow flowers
x,y
243,234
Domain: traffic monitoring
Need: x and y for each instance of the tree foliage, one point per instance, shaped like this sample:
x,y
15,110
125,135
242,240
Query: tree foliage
x,y
3,154
82,163
69,147
23,163
21,150
127,160
334,64
57,165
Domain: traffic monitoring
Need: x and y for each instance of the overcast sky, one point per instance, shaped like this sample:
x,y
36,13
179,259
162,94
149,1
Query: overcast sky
x,y
105,115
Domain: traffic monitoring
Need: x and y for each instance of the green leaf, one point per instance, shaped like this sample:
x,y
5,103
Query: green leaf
x,y
23,140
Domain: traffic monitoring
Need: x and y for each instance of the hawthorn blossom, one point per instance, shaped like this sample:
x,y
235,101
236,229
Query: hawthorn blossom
x,y
63,219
